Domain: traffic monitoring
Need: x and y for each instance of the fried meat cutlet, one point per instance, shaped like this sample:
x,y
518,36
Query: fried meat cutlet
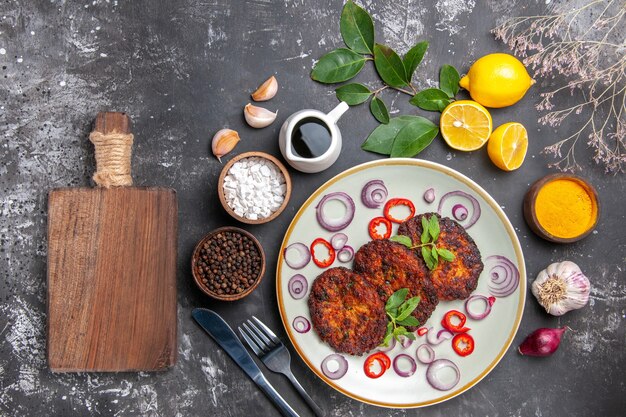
x,y
346,311
458,278
390,266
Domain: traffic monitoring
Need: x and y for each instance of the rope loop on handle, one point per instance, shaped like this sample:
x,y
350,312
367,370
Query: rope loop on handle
x,y
113,158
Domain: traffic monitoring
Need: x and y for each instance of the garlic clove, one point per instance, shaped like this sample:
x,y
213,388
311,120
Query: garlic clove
x,y
258,117
223,142
267,90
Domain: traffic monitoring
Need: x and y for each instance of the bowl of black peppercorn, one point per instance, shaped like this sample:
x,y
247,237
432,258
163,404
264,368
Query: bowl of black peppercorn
x,y
228,263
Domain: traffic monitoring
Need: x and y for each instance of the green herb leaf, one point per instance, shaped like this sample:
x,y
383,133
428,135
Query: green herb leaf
x,y
357,28
428,258
413,138
388,334
431,99
389,66
435,255
449,80
425,238
433,227
404,240
413,58
396,299
399,331
337,66
407,308
379,110
411,335
382,138
353,94
446,254
409,321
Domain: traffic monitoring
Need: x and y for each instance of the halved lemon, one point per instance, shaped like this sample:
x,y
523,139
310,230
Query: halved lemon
x,y
465,125
508,145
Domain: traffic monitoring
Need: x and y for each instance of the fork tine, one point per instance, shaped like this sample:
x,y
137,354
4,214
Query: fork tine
x,y
261,344
262,335
267,330
257,351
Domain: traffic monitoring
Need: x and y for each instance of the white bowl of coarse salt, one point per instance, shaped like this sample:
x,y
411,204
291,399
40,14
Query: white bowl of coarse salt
x,y
254,187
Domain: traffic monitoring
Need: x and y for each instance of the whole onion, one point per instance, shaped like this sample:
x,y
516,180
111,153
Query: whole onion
x,y
542,342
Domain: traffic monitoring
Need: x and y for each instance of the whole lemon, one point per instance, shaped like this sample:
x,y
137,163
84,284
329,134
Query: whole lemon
x,y
497,80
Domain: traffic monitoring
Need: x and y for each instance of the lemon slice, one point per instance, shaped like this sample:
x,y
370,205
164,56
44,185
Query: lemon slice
x,y
465,125
508,145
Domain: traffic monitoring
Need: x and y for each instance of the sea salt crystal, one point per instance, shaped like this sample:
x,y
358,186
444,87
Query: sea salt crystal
x,y
254,188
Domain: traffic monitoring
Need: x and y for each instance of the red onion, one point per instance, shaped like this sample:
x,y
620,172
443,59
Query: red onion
x,y
342,366
338,240
297,286
438,337
434,379
345,254
504,276
334,224
459,212
301,324
429,195
488,302
542,342
406,358
301,253
465,222
392,344
425,353
374,193
405,342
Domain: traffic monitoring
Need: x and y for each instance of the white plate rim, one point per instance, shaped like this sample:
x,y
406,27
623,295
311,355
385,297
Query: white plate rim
x,y
476,188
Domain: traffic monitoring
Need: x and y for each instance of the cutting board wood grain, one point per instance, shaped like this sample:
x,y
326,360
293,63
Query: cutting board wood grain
x,y
112,274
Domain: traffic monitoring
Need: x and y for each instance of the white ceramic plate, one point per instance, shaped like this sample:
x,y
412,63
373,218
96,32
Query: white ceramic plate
x,y
494,235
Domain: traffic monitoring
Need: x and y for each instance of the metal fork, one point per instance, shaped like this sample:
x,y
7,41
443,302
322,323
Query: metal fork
x,y
274,355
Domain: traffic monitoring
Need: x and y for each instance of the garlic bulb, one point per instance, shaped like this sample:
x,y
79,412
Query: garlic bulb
x,y
561,287
267,90
258,117
223,142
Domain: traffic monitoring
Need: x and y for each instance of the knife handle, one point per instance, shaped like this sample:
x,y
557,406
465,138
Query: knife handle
x,y
284,408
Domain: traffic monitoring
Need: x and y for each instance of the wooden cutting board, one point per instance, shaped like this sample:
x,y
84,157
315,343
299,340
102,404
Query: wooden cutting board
x,y
112,267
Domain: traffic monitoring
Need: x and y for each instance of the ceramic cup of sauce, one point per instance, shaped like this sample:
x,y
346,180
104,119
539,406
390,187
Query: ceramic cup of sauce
x,y
310,140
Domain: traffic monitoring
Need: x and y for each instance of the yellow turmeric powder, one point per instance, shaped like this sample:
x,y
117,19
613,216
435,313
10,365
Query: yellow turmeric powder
x,y
565,208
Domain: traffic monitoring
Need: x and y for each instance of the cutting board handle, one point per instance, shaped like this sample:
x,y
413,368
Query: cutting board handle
x,y
113,144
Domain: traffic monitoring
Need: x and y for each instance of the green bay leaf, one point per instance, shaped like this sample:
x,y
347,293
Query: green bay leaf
x,y
357,28
381,139
337,66
379,110
413,58
449,80
431,99
389,66
353,94
413,138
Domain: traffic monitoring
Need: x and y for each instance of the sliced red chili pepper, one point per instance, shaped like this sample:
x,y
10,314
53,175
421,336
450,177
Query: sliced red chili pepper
x,y
374,223
463,344
491,300
398,202
383,361
323,263
448,323
422,331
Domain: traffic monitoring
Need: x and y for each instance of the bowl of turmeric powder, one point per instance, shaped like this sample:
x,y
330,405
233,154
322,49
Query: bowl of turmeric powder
x,y
561,208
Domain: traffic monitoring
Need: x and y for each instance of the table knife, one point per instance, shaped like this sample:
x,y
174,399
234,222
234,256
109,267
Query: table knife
x,y
224,336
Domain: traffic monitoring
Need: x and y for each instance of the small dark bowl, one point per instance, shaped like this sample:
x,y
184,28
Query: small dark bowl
x,y
531,215
198,278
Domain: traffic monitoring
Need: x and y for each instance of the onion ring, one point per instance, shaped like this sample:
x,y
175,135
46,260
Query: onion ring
x,y
429,195
346,254
297,286
335,224
433,378
341,369
301,324
392,344
422,350
410,360
304,255
476,298
504,276
338,240
475,213
438,337
374,193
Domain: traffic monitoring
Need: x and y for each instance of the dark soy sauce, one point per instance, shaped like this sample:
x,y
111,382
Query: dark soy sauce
x,y
310,138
